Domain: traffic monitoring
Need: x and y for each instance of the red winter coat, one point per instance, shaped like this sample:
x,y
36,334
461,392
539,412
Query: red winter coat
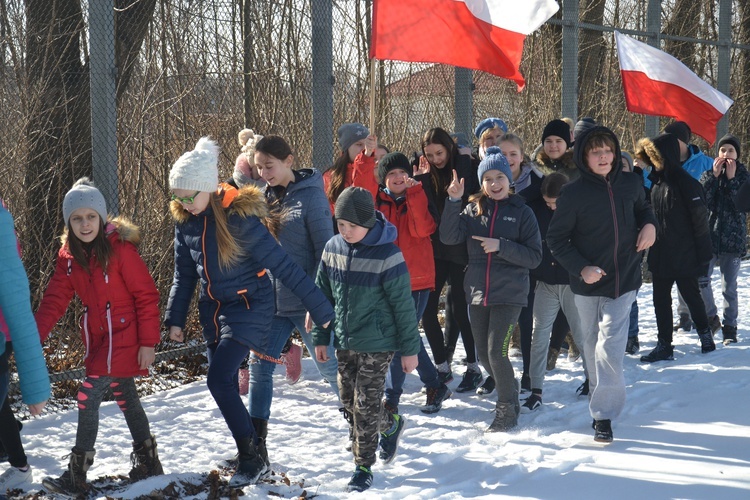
x,y
359,173
415,222
121,306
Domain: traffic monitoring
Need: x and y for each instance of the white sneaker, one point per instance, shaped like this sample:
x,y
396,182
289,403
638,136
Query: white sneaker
x,y
13,478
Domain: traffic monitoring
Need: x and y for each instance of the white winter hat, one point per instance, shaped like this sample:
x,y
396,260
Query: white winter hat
x,y
197,170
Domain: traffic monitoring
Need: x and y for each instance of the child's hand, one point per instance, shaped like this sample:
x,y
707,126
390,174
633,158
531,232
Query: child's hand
x,y
176,334
146,356
36,409
321,353
646,237
308,322
456,187
490,245
731,168
371,144
411,182
718,165
592,274
409,363
422,168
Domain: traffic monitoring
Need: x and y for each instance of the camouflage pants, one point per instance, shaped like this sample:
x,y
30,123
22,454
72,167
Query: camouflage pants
x,y
361,379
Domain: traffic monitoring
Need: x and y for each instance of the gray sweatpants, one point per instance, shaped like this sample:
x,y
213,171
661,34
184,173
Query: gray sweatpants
x,y
604,324
548,300
492,327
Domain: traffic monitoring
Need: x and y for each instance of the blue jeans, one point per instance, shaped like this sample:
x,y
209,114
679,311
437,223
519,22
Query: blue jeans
x,y
261,370
224,359
394,382
729,266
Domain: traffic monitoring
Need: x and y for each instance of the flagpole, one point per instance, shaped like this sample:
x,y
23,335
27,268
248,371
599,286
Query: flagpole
x,y
373,69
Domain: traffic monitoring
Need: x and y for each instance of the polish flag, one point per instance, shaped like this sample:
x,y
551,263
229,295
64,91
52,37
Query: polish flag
x,y
485,35
656,83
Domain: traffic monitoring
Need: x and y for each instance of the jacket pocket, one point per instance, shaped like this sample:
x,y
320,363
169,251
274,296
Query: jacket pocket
x,y
124,328
243,296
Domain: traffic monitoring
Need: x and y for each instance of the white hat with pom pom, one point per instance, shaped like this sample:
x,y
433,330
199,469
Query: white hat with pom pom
x,y
197,170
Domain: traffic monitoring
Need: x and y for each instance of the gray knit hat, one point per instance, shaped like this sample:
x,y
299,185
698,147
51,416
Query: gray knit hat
x,y
197,170
355,205
349,133
84,194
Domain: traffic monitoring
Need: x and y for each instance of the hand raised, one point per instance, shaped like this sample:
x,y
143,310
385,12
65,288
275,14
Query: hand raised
x,y
422,168
456,187
371,144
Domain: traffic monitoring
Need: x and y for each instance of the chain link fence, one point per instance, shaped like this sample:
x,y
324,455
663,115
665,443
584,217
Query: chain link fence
x,y
118,89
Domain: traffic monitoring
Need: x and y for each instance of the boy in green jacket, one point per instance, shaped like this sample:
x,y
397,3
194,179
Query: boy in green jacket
x,y
363,274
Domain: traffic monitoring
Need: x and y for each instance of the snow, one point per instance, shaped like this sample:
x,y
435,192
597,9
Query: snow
x,y
684,433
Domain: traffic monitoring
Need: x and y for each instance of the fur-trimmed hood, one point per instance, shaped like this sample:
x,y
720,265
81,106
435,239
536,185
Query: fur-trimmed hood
x,y
248,201
119,227
662,152
545,161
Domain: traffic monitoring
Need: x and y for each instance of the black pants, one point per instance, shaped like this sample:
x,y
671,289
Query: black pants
x,y
688,287
443,270
10,437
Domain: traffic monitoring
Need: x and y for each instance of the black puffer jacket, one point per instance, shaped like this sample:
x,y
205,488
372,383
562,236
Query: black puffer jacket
x,y
597,223
683,241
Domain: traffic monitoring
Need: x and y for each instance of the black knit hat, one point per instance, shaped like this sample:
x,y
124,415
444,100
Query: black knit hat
x,y
393,161
583,125
557,128
355,205
679,129
730,139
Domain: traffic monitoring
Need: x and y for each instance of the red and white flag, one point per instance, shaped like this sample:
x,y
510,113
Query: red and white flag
x,y
485,35
656,83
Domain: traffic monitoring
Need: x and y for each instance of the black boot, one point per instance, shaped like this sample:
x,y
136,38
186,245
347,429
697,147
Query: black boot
x,y
72,480
250,465
707,340
145,460
261,429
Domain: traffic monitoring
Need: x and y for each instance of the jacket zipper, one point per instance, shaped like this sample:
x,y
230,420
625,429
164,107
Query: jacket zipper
x,y
208,278
617,238
346,296
489,257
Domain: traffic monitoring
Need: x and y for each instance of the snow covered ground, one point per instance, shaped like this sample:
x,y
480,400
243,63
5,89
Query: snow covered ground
x,y
685,433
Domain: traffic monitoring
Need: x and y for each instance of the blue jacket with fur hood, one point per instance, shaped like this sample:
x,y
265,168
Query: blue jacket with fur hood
x,y
236,302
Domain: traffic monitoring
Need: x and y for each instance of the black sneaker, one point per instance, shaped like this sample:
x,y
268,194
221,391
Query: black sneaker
x,y
487,387
633,346
684,323
661,352
533,403
715,324
445,377
730,334
361,479
583,389
389,442
603,431
707,341
470,382
435,398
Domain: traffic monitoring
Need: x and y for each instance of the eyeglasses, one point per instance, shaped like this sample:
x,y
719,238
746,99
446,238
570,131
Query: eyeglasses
x,y
188,200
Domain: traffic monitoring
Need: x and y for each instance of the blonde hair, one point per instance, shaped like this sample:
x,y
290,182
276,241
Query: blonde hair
x,y
230,250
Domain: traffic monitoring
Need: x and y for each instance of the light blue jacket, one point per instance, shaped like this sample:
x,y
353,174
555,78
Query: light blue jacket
x,y
695,165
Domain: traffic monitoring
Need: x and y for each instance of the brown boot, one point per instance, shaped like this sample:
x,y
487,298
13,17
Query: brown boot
x,y
72,480
145,460
552,355
573,351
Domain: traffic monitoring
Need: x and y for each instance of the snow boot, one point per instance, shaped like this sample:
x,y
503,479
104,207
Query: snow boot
x,y
145,460
506,417
633,346
250,465
552,355
487,387
73,480
707,341
603,431
730,334
435,398
261,429
662,352
573,351
715,324
684,323
471,380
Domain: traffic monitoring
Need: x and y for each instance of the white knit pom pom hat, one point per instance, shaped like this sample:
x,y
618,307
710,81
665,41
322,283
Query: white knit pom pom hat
x,y
197,170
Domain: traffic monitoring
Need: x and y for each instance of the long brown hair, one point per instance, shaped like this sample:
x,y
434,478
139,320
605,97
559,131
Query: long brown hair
x,y
230,250
442,138
338,176
100,247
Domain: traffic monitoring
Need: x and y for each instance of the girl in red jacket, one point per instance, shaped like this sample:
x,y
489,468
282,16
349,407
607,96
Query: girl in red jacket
x,y
403,201
100,264
356,164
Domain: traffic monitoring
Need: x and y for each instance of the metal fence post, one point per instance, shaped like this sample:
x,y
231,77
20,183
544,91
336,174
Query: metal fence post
x,y
725,38
103,100
322,84
569,97
653,25
464,102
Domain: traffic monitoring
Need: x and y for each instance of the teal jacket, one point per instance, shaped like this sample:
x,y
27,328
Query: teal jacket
x,y
16,305
370,289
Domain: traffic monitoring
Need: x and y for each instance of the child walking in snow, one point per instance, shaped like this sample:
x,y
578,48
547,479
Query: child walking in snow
x,y
502,238
601,224
404,203
364,275
99,263
221,241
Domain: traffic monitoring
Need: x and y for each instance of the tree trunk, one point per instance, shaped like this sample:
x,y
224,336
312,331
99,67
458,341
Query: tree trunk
x,y
684,21
590,58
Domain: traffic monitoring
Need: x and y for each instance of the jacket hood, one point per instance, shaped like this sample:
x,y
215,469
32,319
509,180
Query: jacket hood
x,y
247,201
382,233
118,228
580,159
566,159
